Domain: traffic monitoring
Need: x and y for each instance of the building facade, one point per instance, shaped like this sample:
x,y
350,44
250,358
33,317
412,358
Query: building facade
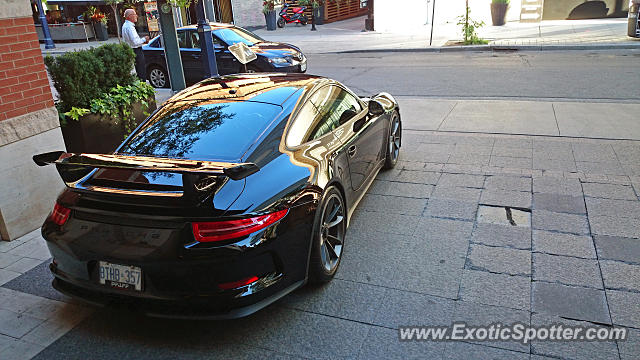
x,y
28,125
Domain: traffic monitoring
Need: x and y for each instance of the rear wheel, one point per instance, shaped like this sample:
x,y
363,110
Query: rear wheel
x,y
304,20
393,141
158,77
329,232
280,22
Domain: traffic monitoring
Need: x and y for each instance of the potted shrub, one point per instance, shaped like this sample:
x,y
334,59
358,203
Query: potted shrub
x,y
268,9
99,21
318,11
499,12
101,102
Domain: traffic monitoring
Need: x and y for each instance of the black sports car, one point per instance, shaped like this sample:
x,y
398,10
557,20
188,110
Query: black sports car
x,y
271,56
233,193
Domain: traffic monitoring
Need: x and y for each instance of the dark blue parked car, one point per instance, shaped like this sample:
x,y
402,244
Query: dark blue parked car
x,y
272,57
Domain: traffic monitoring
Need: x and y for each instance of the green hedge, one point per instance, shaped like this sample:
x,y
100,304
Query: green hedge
x,y
84,75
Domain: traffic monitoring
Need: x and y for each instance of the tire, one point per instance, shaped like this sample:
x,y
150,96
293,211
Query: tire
x,y
304,20
158,77
250,69
394,141
327,239
280,23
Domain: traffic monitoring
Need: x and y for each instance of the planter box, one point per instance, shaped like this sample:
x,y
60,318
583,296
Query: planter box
x,y
499,13
101,31
97,133
270,19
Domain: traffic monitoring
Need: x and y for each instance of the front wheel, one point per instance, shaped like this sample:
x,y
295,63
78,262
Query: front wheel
x,y
280,22
329,230
394,141
158,77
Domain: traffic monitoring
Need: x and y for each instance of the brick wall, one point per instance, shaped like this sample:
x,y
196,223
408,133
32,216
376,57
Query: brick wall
x,y
24,87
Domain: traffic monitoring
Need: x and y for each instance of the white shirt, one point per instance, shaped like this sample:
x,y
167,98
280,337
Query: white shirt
x,y
130,35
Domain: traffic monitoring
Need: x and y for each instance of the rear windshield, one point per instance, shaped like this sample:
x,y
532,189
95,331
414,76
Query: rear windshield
x,y
205,131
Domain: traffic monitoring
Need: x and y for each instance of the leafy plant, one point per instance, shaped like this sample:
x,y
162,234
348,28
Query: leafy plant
x,y
469,27
500,2
117,105
179,3
95,15
312,3
268,6
75,113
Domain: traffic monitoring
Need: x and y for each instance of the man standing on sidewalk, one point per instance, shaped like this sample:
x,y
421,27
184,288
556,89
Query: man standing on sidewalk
x,y
131,37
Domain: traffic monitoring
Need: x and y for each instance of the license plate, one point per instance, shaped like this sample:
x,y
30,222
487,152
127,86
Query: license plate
x,y
120,276
303,66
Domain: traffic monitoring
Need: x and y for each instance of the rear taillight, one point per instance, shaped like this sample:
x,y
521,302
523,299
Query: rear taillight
x,y
60,214
230,229
237,284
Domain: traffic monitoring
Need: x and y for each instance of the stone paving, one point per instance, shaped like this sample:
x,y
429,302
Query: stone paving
x,y
429,245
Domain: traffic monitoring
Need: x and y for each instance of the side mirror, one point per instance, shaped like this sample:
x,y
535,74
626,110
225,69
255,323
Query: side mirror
x,y
375,108
346,116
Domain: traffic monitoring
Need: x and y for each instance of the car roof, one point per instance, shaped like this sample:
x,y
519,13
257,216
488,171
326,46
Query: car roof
x,y
214,26
271,88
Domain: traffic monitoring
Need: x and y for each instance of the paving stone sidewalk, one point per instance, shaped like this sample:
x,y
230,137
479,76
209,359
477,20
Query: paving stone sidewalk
x,y
429,245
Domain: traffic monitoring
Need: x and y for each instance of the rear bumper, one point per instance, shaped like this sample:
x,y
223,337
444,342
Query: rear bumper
x,y
180,280
188,308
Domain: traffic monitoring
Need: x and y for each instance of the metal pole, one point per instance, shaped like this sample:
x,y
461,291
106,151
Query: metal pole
x,y
433,14
206,42
48,43
171,49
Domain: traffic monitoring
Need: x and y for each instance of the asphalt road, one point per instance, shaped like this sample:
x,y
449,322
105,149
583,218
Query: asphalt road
x,y
546,75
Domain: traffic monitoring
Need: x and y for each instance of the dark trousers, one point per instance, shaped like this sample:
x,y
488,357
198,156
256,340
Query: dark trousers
x,y
140,65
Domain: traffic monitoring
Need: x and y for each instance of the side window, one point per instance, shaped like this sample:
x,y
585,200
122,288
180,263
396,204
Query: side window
x,y
344,107
298,133
325,110
182,39
217,43
195,40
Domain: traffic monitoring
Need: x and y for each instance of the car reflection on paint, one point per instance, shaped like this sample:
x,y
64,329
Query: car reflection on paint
x,y
271,56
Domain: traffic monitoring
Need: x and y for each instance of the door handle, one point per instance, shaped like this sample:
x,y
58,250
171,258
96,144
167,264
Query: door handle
x,y
352,151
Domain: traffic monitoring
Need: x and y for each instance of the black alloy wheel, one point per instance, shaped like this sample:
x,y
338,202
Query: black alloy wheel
x,y
394,141
158,77
329,232
280,22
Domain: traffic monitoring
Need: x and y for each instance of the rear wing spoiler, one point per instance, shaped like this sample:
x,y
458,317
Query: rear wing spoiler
x,y
195,173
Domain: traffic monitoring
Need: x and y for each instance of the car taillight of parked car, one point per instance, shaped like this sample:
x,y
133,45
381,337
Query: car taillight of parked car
x,y
231,229
60,214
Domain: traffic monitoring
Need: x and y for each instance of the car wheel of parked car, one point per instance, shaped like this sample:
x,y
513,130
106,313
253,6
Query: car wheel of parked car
x,y
250,69
394,141
158,77
329,230
280,22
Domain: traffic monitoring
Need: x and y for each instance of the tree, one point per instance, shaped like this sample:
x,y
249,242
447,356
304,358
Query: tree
x,y
114,7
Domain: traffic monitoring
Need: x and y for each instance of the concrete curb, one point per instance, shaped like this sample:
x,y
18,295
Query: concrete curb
x,y
501,48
